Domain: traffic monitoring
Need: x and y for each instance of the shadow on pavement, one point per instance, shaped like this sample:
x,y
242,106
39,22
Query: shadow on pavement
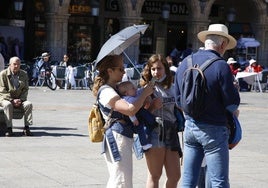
x,y
44,133
39,133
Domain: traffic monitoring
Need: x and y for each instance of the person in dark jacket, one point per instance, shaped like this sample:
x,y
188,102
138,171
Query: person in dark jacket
x,y
46,63
187,51
41,64
207,136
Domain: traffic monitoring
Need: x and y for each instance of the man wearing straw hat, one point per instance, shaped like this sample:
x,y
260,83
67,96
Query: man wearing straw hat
x,y
207,136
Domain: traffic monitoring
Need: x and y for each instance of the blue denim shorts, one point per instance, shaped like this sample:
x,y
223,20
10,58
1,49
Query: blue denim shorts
x,y
154,138
166,136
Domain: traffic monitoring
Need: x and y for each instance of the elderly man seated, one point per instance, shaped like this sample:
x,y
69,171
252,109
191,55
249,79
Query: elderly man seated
x,y
14,87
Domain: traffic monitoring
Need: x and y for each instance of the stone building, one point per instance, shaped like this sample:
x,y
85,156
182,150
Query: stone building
x,y
80,27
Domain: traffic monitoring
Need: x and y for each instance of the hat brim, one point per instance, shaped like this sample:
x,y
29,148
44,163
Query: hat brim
x,y
231,62
232,42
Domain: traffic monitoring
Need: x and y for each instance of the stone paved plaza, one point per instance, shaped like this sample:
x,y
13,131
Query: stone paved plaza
x,y
61,155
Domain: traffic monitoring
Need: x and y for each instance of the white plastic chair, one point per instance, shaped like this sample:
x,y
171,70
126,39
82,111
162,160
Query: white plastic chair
x,y
41,78
80,76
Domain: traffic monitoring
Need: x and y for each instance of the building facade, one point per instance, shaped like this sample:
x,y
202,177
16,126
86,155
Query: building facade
x,y
80,27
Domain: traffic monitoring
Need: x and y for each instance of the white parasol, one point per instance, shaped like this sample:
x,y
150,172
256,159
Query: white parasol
x,y
118,42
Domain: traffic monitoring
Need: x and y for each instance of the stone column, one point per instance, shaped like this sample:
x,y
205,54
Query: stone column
x,y
199,20
57,35
261,30
194,27
161,37
131,11
57,28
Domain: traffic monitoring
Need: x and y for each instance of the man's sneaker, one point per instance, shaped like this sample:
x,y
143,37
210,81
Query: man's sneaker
x,y
27,132
147,146
9,132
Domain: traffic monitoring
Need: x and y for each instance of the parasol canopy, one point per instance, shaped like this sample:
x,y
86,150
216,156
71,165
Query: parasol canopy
x,y
118,42
247,42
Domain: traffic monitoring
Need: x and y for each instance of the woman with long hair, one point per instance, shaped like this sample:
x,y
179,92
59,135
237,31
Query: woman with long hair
x,y
117,144
166,150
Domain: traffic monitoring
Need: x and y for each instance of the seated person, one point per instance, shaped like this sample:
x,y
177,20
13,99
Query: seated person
x,y
46,63
65,61
253,67
47,67
13,94
144,118
234,66
69,71
42,63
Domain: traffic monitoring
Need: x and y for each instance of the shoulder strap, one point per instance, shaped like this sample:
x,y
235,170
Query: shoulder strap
x,y
208,62
190,61
99,90
205,65
107,111
97,100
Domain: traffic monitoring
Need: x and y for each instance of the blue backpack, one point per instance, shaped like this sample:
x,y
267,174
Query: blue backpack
x,y
194,88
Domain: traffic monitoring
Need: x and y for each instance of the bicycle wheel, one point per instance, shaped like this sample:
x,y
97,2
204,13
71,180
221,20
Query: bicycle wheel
x,y
51,81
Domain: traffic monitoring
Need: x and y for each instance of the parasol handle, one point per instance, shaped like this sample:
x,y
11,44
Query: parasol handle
x,y
131,62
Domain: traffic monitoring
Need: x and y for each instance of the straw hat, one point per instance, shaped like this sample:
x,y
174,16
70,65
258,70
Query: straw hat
x,y
45,54
217,29
252,61
231,61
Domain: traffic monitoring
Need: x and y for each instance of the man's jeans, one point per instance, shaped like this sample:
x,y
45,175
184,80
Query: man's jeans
x,y
211,141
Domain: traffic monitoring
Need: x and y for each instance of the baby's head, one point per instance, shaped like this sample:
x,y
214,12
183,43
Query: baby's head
x,y
127,88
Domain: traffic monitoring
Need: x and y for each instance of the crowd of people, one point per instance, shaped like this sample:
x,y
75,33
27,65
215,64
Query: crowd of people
x,y
205,139
43,65
14,87
161,82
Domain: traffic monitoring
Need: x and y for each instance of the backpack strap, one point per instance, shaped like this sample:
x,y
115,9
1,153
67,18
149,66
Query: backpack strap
x,y
205,65
107,122
208,62
104,109
190,61
107,111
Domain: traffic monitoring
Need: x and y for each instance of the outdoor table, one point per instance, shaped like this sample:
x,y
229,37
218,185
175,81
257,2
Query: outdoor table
x,y
250,78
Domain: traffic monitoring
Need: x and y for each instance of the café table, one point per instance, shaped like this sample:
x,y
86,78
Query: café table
x,y
250,78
